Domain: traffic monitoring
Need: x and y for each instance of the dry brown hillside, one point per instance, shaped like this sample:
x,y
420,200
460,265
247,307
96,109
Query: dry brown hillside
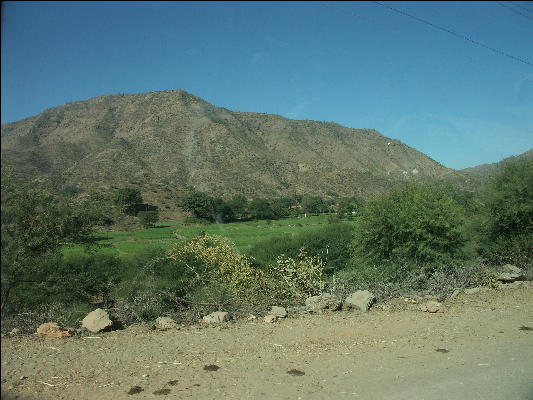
x,y
172,142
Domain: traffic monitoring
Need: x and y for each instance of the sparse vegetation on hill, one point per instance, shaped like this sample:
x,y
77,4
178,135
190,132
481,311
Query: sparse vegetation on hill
x,y
169,144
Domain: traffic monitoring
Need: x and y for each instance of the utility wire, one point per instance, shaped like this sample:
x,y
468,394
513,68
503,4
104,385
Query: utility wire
x,y
523,8
513,10
402,31
458,35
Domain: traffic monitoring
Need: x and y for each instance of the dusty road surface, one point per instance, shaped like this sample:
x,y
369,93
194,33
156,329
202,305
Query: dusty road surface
x,y
480,347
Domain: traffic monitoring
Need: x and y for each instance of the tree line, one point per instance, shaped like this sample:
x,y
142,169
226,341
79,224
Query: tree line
x,y
215,209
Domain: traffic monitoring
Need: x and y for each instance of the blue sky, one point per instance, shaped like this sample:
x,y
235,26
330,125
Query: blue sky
x,y
359,64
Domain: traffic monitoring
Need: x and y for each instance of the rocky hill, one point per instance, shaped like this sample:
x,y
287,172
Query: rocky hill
x,y
173,142
487,170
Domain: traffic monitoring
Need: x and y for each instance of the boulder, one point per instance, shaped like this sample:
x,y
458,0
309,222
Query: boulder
x,y
511,285
360,300
164,323
52,330
270,319
216,318
510,273
431,306
97,321
323,302
279,312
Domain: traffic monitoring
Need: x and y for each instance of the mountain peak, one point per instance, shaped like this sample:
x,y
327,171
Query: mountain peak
x,y
176,140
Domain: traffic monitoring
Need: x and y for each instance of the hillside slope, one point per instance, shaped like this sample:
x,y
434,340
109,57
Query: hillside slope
x,y
486,170
174,141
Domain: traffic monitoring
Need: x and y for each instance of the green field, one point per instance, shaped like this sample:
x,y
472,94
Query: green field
x,y
243,234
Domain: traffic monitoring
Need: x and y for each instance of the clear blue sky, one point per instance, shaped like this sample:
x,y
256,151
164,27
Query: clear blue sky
x,y
359,64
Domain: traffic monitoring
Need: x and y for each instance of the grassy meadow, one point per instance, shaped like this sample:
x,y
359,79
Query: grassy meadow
x,y
243,234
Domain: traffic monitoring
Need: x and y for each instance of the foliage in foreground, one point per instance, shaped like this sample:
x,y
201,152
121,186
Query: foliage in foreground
x,y
412,240
35,225
505,232
414,223
332,243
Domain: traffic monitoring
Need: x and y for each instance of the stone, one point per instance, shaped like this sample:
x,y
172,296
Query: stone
x,y
216,318
297,310
52,330
14,331
323,302
472,290
360,300
164,323
511,285
97,321
433,306
455,293
279,312
270,319
510,273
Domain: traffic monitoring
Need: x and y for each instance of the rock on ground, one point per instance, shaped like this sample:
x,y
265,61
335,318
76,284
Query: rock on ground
x,y
431,306
510,273
279,312
323,302
52,330
96,321
164,323
360,300
270,319
216,318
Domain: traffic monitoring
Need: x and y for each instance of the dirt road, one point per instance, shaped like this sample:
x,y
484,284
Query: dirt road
x,y
480,347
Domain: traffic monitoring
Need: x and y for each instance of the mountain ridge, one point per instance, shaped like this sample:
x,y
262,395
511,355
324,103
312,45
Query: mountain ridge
x,y
179,142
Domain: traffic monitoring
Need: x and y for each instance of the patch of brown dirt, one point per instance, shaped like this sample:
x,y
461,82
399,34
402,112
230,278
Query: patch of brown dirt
x,y
479,347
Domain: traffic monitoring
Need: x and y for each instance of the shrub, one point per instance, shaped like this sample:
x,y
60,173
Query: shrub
x,y
148,218
128,199
507,226
207,259
399,279
260,208
295,279
199,204
35,225
414,223
331,243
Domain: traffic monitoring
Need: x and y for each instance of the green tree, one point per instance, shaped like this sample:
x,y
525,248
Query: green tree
x,y
239,206
313,205
35,226
148,218
199,204
260,208
347,205
508,224
223,211
414,223
282,206
129,200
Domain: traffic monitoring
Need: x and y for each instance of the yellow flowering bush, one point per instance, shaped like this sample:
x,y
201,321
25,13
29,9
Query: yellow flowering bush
x,y
210,258
300,277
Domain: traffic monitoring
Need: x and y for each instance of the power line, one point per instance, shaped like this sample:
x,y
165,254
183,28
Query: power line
x,y
513,10
458,35
402,31
523,8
